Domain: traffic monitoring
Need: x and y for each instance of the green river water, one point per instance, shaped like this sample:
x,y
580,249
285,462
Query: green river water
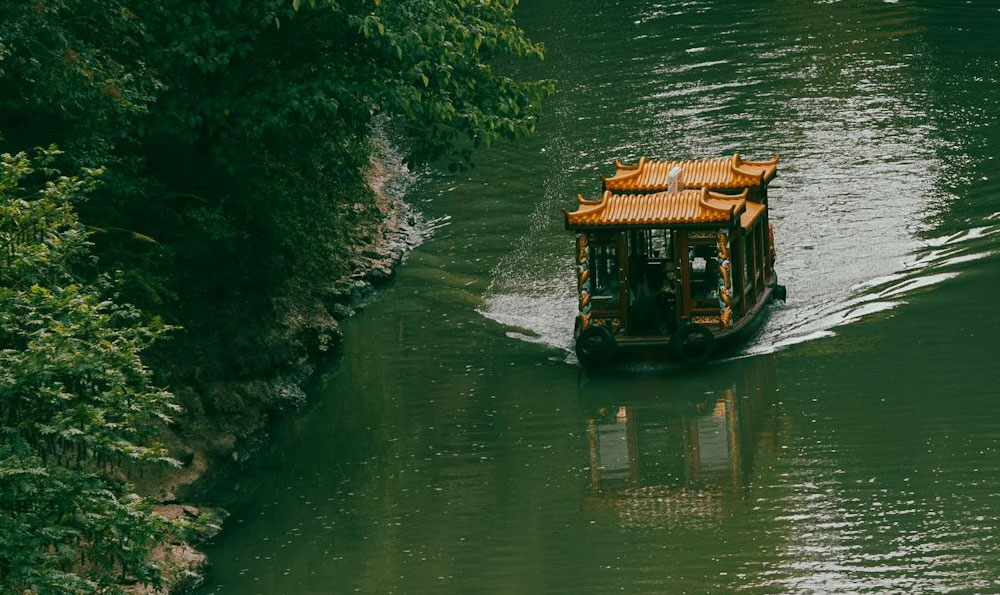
x,y
854,446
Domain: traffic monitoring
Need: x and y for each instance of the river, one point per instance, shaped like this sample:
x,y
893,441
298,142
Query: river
x,y
854,446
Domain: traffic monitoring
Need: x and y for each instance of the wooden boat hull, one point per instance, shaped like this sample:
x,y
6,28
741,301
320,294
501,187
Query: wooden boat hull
x,y
724,342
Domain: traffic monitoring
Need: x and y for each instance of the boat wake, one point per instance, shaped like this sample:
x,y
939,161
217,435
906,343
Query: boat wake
x,y
937,260
542,311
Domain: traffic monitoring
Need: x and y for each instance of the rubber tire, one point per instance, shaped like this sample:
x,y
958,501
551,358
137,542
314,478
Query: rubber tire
x,y
596,346
779,293
704,343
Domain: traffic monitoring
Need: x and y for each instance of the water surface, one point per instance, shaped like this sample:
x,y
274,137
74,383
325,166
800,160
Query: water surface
x,y
853,447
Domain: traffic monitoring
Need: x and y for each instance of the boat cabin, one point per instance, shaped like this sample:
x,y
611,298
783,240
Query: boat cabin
x,y
677,268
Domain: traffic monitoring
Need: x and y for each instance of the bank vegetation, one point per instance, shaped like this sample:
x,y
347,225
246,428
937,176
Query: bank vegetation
x,y
174,173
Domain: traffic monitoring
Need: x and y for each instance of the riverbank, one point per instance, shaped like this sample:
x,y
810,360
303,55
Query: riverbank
x,y
226,420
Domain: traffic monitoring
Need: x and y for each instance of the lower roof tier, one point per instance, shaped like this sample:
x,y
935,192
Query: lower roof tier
x,y
662,209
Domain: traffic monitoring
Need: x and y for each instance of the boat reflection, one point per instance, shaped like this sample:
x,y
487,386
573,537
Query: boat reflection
x,y
681,449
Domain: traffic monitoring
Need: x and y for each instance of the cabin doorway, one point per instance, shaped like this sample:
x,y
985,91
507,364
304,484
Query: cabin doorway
x,y
653,283
703,258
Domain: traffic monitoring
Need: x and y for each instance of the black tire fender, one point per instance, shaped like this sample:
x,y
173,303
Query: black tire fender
x,y
596,346
778,292
693,343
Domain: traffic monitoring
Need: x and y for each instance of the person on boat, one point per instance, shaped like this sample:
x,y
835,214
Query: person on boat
x,y
669,280
647,312
668,298
704,271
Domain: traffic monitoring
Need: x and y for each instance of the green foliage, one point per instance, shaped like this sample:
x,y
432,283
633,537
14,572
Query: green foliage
x,y
278,70
71,71
189,103
433,65
76,402
234,135
64,531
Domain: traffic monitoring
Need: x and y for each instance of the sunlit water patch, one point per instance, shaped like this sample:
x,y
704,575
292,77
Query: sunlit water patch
x,y
938,260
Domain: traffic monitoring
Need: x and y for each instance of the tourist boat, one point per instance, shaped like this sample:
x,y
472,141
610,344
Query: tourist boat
x,y
675,258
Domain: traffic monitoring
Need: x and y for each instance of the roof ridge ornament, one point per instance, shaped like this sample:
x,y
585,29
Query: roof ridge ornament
x,y
637,170
704,195
674,179
765,163
734,204
736,165
620,165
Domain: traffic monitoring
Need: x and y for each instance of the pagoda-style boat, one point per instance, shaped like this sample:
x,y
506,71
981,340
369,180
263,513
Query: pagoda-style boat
x,y
676,258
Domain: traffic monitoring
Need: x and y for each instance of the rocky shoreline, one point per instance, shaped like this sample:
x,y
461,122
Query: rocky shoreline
x,y
225,422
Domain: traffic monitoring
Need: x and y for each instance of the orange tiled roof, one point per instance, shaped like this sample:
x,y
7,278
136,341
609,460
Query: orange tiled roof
x,y
751,214
661,208
718,172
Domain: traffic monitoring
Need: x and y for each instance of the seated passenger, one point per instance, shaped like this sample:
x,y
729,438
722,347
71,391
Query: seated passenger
x,y
668,300
711,275
647,312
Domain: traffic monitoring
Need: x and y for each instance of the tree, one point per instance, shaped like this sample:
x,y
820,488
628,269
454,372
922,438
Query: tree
x,y
77,405
235,134
278,69
74,72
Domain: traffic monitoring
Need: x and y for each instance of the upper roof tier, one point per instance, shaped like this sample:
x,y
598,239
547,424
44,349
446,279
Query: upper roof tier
x,y
717,173
687,207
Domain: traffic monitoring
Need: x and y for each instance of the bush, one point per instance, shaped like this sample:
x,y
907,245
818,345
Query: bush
x,y
77,405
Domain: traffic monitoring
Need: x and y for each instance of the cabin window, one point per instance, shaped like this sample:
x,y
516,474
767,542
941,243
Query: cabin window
x,y
660,245
650,244
638,244
605,278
